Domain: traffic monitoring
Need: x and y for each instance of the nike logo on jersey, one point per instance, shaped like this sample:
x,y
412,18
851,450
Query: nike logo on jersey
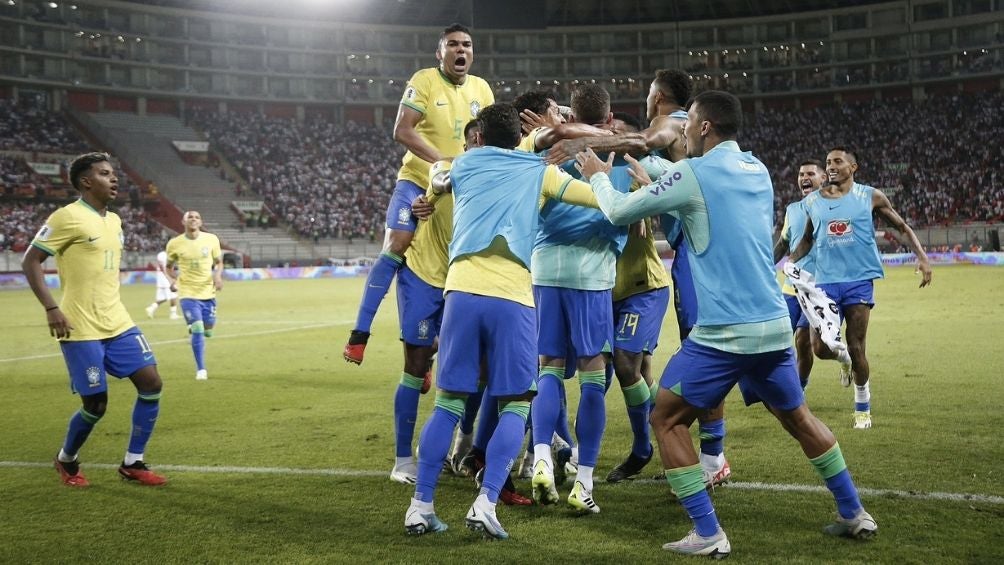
x,y
834,207
441,103
93,239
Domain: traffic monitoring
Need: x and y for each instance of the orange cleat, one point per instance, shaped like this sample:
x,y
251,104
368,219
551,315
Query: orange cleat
x,y
513,498
355,349
140,473
70,473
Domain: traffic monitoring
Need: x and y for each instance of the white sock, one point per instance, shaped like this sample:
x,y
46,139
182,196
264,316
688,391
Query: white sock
x,y
153,307
542,452
423,507
844,357
712,463
484,504
131,458
174,309
402,461
65,458
862,393
575,456
585,476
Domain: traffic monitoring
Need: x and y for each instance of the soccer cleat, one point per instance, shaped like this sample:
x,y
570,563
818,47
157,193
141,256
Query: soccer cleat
x,y
862,420
201,375
175,316
417,523
150,310
69,473
404,474
356,347
582,500
543,484
140,473
861,526
525,466
846,375
563,466
469,465
629,468
481,520
513,498
719,476
716,546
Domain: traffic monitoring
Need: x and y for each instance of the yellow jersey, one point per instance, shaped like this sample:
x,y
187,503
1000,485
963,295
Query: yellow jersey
x,y
529,141
446,108
429,253
495,271
88,251
195,259
639,268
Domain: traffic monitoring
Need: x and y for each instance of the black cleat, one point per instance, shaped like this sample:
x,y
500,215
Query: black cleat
x,y
629,468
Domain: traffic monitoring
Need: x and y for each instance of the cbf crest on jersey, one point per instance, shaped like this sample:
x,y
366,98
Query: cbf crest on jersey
x,y
205,251
43,233
423,329
475,108
93,376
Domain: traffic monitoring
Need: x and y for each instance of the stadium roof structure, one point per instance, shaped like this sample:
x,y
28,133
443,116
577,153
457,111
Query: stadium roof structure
x,y
486,14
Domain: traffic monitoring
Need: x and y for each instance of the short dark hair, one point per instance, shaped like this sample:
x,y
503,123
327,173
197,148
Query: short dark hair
x,y
630,120
590,104
82,163
674,84
819,164
452,28
470,125
537,101
847,150
500,125
722,109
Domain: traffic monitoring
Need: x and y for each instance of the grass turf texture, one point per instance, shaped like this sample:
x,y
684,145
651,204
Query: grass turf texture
x,y
279,395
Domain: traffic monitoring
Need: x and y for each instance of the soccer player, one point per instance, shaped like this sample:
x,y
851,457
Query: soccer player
x,y
811,175
436,105
164,292
488,317
726,200
95,333
841,235
574,268
197,256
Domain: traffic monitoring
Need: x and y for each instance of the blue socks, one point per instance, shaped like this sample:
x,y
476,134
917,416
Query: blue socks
x,y
80,427
505,444
434,443
688,484
144,418
199,349
592,416
487,422
471,409
406,413
547,404
712,436
377,283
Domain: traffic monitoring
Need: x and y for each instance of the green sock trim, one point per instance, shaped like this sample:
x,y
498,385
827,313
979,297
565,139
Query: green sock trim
x,y
519,407
88,417
636,394
653,390
686,481
152,397
830,463
452,403
411,381
393,257
593,377
197,328
558,372
208,333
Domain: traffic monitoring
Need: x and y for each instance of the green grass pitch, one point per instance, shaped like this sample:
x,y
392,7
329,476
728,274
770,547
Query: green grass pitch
x,y
280,396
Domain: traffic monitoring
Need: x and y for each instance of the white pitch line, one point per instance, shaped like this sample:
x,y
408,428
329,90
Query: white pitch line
x,y
185,340
739,485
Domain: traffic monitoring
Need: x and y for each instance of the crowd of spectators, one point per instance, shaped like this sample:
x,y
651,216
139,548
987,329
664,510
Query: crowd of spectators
x,y
323,179
19,221
27,126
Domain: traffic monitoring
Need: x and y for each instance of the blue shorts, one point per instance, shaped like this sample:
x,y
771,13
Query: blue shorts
x,y
399,215
500,332
795,314
684,294
419,308
196,310
90,361
582,319
858,293
639,320
703,376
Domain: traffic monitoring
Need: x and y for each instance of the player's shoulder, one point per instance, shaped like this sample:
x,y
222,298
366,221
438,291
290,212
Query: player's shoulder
x,y
424,76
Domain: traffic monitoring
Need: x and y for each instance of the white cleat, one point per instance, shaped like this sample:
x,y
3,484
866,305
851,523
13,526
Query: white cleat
x,y
484,521
862,420
861,526
405,474
582,500
846,375
719,476
417,522
149,311
716,546
201,375
174,316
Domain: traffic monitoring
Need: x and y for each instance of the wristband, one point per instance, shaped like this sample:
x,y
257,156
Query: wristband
x,y
51,308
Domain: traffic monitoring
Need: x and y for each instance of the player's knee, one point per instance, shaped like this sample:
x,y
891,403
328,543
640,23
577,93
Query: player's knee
x,y
398,241
94,406
197,328
451,402
593,379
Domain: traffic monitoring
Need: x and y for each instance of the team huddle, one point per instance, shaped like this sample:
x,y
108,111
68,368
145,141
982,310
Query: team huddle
x,y
522,240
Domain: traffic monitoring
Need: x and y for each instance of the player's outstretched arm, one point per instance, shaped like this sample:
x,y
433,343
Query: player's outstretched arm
x,y
59,326
672,191
882,207
406,134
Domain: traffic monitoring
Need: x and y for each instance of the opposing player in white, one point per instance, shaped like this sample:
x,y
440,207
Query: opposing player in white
x,y
164,292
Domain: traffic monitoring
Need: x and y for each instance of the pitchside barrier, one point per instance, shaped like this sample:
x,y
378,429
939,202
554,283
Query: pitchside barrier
x,y
17,280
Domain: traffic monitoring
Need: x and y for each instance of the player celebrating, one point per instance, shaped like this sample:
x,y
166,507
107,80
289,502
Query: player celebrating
x,y
726,200
164,292
841,235
436,105
488,315
95,333
197,256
